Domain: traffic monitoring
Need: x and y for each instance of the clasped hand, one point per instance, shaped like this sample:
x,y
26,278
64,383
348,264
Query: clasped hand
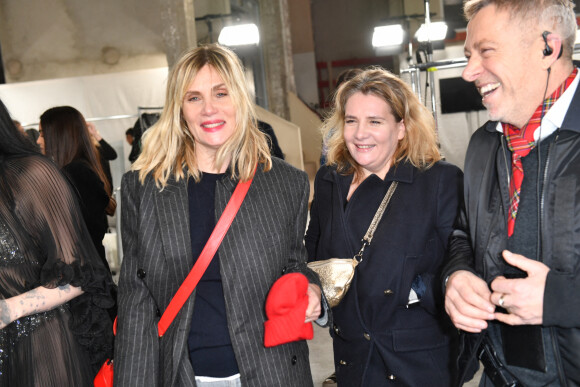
x,y
314,298
470,303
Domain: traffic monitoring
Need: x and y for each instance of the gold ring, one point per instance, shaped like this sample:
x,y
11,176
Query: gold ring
x,y
501,300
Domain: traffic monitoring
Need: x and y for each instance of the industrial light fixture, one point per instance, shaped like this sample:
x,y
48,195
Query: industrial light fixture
x,y
388,36
239,35
436,32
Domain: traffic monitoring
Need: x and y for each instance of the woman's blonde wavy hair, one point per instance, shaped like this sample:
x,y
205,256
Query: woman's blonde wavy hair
x,y
419,146
169,147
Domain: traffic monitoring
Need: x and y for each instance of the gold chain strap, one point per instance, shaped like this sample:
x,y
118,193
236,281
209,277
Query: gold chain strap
x,y
376,219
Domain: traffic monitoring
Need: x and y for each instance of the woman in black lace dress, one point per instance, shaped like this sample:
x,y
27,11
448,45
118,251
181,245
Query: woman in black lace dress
x,y
54,289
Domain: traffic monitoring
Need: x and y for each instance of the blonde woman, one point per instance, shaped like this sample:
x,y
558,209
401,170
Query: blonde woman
x,y
391,326
204,143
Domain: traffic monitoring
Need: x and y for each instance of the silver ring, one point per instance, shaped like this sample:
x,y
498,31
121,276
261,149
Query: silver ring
x,y
501,300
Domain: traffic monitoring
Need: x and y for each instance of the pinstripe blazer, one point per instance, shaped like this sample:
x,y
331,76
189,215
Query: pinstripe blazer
x,y
264,241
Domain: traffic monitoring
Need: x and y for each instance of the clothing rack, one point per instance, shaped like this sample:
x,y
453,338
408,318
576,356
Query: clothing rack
x,y
140,109
414,71
430,67
117,190
92,119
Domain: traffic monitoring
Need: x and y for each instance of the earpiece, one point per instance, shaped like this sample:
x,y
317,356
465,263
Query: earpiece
x,y
547,50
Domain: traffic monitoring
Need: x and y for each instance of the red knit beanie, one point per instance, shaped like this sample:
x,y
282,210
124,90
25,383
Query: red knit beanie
x,y
286,310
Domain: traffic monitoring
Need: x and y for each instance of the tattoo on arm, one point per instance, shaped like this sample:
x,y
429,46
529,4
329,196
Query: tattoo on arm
x,y
35,301
65,288
4,313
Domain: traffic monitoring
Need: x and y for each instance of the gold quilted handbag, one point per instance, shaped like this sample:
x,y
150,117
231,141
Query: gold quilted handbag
x,y
336,274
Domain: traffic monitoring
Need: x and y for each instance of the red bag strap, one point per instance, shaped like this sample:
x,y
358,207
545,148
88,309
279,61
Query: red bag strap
x,y
205,257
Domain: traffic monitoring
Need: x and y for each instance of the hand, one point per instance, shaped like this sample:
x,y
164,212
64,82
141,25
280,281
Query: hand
x,y
523,298
468,301
314,298
93,131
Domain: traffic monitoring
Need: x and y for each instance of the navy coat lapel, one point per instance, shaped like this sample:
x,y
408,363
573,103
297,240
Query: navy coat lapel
x,y
339,196
403,173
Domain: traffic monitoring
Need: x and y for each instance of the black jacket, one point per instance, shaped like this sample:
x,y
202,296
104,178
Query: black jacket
x,y
375,335
93,200
480,231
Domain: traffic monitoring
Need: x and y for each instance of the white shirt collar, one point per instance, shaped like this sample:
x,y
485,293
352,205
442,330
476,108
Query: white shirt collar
x,y
555,116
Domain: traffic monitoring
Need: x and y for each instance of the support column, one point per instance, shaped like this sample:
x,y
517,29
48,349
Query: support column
x,y
277,48
179,34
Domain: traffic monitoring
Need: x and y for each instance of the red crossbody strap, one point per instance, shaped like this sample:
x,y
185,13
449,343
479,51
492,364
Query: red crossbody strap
x,y
205,257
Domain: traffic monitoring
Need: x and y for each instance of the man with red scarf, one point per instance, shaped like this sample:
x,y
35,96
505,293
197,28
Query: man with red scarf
x,y
513,271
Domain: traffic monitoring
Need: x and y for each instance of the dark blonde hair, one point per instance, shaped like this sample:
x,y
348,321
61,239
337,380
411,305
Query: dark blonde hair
x,y
169,147
555,15
419,146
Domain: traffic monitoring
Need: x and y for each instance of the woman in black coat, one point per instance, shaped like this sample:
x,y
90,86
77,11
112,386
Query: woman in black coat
x,y
391,328
64,137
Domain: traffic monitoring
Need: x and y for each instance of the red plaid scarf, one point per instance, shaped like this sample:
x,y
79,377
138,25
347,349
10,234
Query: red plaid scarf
x,y
521,142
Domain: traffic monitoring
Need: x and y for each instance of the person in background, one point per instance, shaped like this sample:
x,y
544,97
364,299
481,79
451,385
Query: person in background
x,y
273,144
31,134
65,138
344,76
205,141
513,267
391,327
105,151
54,289
129,136
18,126
143,123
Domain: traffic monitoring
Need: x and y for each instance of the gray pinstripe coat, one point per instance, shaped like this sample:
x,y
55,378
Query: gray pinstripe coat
x,y
264,241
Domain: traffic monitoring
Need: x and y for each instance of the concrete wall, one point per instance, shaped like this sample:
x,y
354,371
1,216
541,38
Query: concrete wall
x,y
44,39
303,51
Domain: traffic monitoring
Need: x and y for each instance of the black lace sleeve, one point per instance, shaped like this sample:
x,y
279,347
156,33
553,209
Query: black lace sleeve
x,y
49,214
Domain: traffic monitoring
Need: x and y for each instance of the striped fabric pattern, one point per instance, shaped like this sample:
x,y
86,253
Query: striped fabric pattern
x,y
265,240
521,142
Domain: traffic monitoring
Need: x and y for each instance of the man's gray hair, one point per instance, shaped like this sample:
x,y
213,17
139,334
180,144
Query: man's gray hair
x,y
557,15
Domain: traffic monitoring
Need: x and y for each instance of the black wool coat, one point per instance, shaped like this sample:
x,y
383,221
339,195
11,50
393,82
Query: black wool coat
x,y
379,340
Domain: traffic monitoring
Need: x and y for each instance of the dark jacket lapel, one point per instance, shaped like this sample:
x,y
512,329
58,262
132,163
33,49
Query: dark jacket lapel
x,y
173,217
172,211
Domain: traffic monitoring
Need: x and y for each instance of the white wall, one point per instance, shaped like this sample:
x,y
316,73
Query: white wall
x,y
305,75
96,96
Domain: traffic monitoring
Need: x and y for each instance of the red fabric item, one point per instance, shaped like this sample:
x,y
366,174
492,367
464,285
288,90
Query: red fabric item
x,y
286,310
205,257
521,142
105,376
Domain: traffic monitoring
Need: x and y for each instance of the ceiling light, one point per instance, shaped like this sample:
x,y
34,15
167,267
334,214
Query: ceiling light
x,y
387,36
438,31
239,35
